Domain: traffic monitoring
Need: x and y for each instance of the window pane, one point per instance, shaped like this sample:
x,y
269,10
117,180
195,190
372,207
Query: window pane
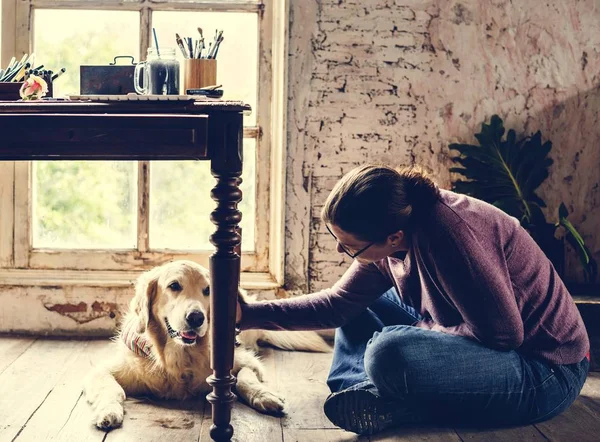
x,y
84,204
237,59
70,38
180,203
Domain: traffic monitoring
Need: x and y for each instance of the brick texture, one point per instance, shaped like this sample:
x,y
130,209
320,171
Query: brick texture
x,y
397,81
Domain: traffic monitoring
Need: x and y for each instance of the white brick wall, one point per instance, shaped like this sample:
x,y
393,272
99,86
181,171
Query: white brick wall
x,y
397,81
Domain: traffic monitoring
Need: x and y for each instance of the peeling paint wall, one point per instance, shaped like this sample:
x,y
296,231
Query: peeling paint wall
x,y
68,310
397,81
62,310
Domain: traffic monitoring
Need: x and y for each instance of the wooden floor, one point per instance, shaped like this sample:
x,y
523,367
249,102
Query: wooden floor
x,y
40,400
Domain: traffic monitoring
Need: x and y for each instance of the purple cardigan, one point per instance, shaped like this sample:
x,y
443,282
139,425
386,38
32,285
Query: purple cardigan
x,y
471,271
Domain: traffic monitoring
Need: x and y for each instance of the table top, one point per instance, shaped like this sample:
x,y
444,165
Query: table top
x,y
206,106
128,130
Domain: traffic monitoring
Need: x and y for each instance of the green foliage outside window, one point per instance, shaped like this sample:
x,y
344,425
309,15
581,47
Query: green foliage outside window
x,y
94,204
84,203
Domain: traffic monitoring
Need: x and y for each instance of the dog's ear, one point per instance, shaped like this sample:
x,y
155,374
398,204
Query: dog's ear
x,y
145,293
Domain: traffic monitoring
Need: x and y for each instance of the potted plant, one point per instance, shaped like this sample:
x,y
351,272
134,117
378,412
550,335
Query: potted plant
x,y
506,173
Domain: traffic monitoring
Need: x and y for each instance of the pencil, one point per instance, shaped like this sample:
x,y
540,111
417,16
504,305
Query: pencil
x,y
58,74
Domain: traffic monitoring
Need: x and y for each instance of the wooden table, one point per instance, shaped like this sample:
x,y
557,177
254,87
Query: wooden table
x,y
209,130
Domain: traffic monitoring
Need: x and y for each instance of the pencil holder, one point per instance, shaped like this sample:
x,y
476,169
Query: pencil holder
x,y
199,73
48,78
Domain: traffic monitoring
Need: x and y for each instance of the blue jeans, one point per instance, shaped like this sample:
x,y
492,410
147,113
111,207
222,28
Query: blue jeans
x,y
440,378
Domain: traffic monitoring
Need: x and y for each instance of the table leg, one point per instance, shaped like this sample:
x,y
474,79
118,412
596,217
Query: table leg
x,y
225,149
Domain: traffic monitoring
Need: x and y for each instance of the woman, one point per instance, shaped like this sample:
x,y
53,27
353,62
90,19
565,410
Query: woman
x,y
449,314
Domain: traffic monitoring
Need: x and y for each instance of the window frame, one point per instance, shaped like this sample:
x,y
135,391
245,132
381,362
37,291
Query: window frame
x,y
262,269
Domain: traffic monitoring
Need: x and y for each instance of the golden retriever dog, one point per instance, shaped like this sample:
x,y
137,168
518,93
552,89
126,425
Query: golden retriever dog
x,y
170,313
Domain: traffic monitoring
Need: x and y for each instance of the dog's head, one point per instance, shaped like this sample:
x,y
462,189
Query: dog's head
x,y
173,300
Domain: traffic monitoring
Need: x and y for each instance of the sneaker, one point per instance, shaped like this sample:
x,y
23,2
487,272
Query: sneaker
x,y
359,410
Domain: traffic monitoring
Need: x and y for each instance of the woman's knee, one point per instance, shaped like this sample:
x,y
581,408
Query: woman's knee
x,y
389,354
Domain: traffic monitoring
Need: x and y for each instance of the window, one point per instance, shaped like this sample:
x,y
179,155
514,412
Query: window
x,y
78,217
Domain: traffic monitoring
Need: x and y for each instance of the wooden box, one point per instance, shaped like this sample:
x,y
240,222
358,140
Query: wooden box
x,y
9,91
111,79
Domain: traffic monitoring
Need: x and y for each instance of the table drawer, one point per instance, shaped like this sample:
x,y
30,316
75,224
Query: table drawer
x,y
109,136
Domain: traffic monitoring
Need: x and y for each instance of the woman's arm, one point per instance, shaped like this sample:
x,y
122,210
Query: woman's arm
x,y
356,290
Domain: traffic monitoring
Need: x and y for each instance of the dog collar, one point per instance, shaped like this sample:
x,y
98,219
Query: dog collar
x,y
136,342
172,333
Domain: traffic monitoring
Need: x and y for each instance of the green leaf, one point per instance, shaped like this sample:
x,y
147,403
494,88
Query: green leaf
x,y
512,206
537,200
537,217
507,173
571,230
562,211
590,267
517,167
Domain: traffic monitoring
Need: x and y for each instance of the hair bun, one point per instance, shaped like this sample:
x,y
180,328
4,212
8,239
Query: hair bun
x,y
421,191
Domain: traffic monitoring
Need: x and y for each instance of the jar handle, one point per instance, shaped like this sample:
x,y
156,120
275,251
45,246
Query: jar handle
x,y
140,70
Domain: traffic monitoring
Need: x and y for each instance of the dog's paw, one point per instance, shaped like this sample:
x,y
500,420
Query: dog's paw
x,y
109,417
268,402
260,372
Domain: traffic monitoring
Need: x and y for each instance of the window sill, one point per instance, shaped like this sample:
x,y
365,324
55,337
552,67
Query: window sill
x,y
106,278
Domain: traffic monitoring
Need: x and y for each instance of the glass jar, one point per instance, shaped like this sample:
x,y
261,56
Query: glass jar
x,y
159,73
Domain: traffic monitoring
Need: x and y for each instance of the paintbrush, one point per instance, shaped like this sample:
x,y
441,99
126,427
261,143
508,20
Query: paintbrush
x,y
216,51
181,46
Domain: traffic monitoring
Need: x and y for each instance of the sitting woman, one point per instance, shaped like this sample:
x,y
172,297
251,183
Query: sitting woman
x,y
449,314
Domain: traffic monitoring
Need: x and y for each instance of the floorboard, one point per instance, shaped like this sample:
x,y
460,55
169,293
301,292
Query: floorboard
x,y
575,424
40,399
302,377
150,420
423,434
55,418
11,349
28,381
590,394
321,435
79,426
527,434
248,424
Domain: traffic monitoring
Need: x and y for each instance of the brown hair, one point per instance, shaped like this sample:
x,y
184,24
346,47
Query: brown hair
x,y
373,201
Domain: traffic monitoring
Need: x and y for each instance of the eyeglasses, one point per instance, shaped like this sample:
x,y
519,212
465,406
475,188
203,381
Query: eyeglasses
x,y
344,249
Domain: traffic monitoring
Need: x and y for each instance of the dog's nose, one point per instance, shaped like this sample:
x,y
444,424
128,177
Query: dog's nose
x,y
195,318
